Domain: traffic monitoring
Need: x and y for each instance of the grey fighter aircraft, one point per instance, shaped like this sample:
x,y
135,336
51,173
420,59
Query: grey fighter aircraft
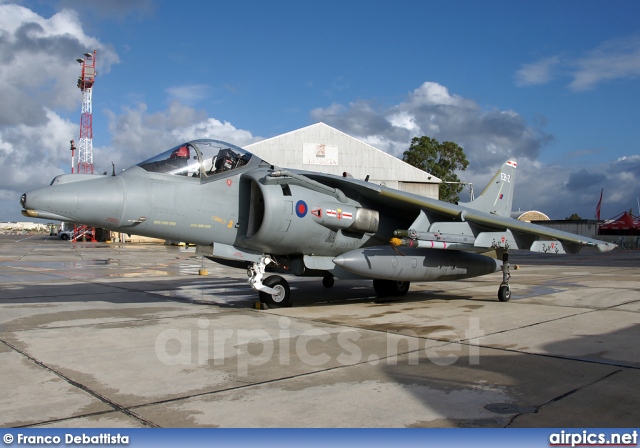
x,y
242,211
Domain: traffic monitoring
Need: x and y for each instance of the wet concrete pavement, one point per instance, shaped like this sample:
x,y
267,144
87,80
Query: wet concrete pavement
x,y
109,335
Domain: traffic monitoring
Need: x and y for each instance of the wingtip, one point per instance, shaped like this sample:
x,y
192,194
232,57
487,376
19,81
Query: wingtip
x,y
606,247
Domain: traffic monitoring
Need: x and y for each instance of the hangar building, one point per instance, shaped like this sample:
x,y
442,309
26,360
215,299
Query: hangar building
x,y
322,148
530,215
584,227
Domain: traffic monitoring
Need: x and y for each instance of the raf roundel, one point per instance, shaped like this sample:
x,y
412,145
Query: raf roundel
x,y
301,209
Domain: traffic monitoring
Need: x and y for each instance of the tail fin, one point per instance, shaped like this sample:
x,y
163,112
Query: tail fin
x,y
497,197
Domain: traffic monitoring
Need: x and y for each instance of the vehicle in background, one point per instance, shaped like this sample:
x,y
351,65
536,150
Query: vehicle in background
x,y
68,231
65,234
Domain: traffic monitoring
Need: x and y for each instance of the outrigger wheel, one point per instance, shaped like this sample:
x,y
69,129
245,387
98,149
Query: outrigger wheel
x,y
504,292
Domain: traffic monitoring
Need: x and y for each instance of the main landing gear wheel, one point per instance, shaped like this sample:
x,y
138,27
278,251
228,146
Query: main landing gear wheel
x,y
328,281
504,293
386,288
282,297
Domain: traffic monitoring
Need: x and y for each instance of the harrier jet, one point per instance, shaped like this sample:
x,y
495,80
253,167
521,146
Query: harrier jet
x,y
242,211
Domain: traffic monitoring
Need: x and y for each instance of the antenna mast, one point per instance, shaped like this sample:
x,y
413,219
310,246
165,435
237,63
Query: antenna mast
x,y
85,84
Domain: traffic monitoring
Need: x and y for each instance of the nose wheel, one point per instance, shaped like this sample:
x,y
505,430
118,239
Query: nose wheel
x,y
504,292
281,296
273,290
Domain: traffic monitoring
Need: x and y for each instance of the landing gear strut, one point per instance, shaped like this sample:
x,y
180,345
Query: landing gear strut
x,y
504,293
273,290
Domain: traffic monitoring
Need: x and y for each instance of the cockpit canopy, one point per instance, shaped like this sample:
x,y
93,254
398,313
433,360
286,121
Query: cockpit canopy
x,y
200,158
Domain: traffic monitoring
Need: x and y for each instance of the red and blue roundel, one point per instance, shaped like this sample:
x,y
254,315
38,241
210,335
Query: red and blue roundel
x,y
301,209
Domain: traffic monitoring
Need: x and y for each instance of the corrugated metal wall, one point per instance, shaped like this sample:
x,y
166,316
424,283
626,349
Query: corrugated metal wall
x,y
353,156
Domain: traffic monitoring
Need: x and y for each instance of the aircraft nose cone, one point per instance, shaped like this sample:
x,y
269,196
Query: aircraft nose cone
x,y
91,199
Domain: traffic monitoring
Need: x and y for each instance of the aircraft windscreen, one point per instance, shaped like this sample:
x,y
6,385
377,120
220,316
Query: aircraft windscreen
x,y
198,158
182,160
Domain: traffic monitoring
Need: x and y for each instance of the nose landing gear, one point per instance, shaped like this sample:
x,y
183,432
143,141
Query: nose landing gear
x,y
273,290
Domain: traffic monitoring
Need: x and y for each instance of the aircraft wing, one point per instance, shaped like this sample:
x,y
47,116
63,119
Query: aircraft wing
x,y
525,235
490,230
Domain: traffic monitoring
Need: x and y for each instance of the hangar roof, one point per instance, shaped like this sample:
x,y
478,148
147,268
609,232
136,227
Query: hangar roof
x,y
322,148
529,215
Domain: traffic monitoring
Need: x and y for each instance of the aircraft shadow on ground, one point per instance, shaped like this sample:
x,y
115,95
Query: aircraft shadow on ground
x,y
206,290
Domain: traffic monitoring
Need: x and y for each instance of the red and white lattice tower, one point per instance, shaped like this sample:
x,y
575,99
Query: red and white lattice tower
x,y
85,144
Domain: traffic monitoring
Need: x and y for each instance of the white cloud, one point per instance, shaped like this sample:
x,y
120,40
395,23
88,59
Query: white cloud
x,y
38,68
404,120
613,59
434,94
489,137
189,94
31,156
537,73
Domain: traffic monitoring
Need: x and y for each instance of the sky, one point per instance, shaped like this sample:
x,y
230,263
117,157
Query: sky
x,y
555,85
